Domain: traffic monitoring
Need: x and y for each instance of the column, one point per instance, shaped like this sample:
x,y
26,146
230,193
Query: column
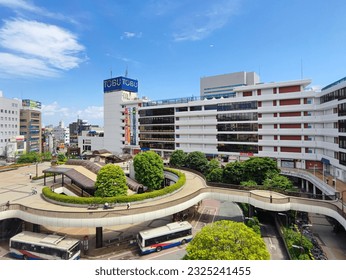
x,y
251,210
307,185
36,228
99,237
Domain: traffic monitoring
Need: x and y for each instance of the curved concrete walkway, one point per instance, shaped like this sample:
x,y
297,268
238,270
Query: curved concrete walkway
x,y
34,209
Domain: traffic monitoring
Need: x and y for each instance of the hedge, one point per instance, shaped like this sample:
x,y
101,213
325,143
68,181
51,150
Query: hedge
x,y
47,192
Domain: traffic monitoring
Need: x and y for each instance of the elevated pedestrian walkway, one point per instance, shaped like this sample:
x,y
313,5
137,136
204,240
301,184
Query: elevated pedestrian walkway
x,y
35,209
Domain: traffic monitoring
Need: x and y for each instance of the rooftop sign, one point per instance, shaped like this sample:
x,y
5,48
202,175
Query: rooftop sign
x,y
120,83
31,104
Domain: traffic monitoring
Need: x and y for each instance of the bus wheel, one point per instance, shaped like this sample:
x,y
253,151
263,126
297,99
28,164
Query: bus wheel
x,y
183,242
158,249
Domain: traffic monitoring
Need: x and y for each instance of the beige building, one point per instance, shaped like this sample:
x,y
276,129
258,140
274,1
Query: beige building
x,y
31,125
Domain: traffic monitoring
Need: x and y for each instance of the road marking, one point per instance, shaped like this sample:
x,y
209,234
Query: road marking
x,y
167,252
272,246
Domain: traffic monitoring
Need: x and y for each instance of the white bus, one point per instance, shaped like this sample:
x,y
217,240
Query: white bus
x,y
170,235
40,246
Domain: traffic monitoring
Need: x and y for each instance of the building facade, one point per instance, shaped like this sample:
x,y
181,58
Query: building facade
x,y
91,140
75,130
9,126
31,125
237,117
121,106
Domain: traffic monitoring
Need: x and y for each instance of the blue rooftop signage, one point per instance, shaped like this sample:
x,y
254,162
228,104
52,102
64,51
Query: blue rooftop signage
x,y
120,83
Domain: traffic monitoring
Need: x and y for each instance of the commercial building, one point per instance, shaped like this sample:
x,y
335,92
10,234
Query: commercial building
x,y
91,140
31,125
9,127
75,130
61,135
236,117
121,106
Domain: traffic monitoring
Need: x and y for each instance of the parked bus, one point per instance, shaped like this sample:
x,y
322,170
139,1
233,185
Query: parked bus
x,y
40,246
167,236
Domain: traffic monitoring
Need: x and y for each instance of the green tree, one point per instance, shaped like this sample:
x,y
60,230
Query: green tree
x,y
227,240
61,157
233,173
298,246
178,158
215,175
250,183
149,169
197,161
110,181
213,164
278,181
46,156
30,157
256,168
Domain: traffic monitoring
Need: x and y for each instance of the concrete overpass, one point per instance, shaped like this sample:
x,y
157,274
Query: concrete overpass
x,y
35,209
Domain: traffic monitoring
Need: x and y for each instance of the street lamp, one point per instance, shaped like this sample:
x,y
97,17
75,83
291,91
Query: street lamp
x,y
249,218
315,165
301,232
302,251
283,214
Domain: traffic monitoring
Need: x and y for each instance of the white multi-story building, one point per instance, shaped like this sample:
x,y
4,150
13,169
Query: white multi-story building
x,y
9,126
121,105
92,139
237,117
61,134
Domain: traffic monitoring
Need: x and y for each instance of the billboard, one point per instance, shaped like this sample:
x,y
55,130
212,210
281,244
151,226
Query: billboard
x,y
120,83
31,104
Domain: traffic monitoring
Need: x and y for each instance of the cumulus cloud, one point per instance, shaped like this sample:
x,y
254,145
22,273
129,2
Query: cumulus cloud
x,y
92,113
53,113
47,49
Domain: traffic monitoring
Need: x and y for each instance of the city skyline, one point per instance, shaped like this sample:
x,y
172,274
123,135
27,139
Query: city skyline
x,y
60,53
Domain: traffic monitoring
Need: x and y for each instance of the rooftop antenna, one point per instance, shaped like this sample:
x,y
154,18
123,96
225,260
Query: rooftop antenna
x,y
126,72
111,73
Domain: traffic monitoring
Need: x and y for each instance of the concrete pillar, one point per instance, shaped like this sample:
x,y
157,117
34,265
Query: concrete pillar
x,y
307,185
251,210
314,190
99,237
36,228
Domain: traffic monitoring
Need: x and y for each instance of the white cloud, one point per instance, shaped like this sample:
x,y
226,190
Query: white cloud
x,y
19,4
199,23
92,113
54,109
53,113
13,65
42,46
130,35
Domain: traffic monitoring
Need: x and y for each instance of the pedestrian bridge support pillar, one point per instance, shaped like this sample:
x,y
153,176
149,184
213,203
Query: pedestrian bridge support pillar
x,y
99,237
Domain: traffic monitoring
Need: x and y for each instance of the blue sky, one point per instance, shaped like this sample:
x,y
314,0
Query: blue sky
x,y
59,52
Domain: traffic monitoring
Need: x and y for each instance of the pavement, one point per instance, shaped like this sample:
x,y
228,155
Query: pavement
x,y
16,187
